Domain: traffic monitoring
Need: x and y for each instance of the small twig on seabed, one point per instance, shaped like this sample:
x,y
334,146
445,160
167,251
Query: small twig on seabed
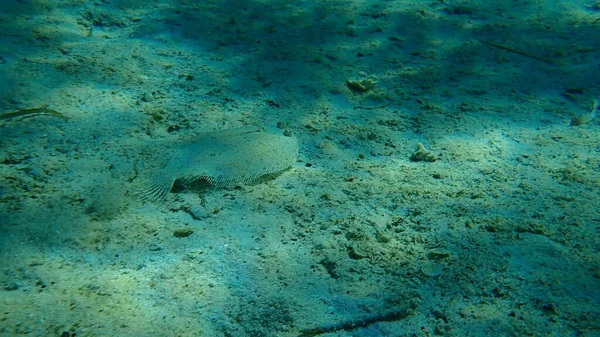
x,y
356,324
512,50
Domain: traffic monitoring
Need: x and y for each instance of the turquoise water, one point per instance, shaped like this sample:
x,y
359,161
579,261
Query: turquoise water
x,y
447,180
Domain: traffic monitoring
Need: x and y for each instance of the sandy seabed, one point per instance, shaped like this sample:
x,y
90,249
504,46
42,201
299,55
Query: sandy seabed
x,y
491,229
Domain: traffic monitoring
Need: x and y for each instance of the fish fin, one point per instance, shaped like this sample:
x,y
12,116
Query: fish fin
x,y
155,189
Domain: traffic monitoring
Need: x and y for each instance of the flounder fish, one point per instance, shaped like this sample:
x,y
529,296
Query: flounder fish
x,y
223,158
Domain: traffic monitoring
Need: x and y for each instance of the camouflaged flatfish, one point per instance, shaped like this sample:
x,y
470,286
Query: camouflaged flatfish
x,y
223,158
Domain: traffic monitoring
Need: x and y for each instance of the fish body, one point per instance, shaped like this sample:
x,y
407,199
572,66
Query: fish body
x,y
223,158
585,118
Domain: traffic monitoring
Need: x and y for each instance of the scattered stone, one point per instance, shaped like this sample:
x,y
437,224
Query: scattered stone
x,y
198,212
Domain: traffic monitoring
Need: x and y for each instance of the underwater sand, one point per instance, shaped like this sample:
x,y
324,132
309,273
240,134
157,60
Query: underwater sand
x,y
494,232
